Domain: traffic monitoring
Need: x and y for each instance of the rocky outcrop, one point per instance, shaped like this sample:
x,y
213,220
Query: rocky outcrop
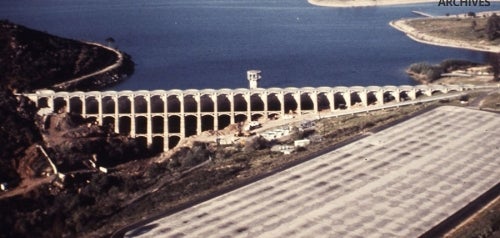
x,y
73,142
17,133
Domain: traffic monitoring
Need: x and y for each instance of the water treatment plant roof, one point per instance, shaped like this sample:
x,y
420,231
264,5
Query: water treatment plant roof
x,y
398,182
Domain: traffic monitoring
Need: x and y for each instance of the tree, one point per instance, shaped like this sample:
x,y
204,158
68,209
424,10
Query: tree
x,y
494,60
493,27
110,41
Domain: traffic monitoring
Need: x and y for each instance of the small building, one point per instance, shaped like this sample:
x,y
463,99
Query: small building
x,y
285,149
302,143
253,77
307,124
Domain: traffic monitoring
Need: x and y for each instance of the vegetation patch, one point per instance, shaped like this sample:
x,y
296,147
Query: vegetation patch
x,y
492,102
428,73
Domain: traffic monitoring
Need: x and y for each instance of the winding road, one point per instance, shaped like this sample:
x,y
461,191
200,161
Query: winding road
x,y
114,66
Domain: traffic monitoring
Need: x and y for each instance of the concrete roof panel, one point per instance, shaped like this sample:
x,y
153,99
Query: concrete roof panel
x,y
401,184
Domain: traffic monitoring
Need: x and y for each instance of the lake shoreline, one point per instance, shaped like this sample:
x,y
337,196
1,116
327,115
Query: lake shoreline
x,y
419,36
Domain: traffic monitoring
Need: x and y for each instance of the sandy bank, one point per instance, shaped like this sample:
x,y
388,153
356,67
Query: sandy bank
x,y
365,3
402,25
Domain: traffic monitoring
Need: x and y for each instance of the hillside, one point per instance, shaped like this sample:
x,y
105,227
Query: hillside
x,y
31,59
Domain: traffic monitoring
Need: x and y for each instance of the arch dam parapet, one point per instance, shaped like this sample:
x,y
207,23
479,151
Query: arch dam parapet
x,y
163,117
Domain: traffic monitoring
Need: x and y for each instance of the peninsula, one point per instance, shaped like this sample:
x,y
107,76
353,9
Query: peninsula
x,y
32,59
472,31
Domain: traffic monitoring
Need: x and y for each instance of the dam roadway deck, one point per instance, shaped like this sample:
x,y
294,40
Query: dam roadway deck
x,y
399,182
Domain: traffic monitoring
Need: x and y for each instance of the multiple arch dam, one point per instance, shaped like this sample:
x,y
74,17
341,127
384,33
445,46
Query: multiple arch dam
x,y
161,118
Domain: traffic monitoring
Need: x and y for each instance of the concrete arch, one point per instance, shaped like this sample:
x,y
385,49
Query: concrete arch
x,y
190,103
308,89
141,104
274,101
174,124
208,91
174,103
273,115
357,89
373,88
342,100
240,117
240,102
419,94
190,125
290,89
423,90
143,93
407,92
207,103
308,101
372,98
436,92
173,141
191,92
158,144
224,103
125,125
109,121
92,105
256,102
438,89
124,105
43,102
340,89
223,121
60,104
141,125
324,90
391,94
324,101
208,123
157,103
406,88
274,90
256,116
109,105
290,104
76,105
158,124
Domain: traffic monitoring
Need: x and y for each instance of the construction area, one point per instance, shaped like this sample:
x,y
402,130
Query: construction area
x,y
402,181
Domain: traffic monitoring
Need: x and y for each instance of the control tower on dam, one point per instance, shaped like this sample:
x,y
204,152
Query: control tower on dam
x,y
161,118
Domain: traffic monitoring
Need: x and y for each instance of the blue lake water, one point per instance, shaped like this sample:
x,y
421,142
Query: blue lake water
x,y
211,43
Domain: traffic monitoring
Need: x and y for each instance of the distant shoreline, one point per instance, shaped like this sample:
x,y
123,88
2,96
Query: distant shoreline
x,y
416,35
370,3
365,3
